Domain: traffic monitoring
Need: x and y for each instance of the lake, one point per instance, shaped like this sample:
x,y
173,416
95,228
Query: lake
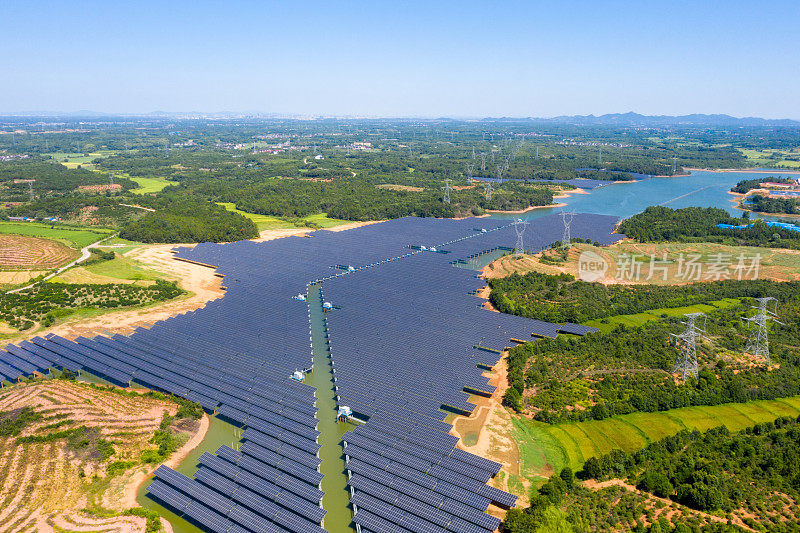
x,y
700,189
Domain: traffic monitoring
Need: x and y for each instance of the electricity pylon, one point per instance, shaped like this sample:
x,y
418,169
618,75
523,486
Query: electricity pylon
x,y
686,342
500,171
483,161
519,228
447,188
566,218
758,343
469,166
489,190
30,190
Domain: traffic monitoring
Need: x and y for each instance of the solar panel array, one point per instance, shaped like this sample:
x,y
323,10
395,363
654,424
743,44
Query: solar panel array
x,y
407,339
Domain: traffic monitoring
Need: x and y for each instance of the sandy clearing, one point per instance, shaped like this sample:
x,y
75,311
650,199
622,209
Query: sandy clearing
x,y
492,423
134,482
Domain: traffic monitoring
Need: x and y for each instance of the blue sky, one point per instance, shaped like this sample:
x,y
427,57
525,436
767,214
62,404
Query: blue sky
x,y
381,58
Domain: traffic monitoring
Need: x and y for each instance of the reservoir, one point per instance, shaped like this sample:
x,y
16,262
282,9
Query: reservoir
x,y
624,199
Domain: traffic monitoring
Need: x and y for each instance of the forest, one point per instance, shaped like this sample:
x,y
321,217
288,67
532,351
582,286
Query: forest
x,y
699,224
351,170
746,186
766,204
561,298
629,369
750,480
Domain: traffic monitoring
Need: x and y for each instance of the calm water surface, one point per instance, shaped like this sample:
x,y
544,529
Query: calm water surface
x,y
701,189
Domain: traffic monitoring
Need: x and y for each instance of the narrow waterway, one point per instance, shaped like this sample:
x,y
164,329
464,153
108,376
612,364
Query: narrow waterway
x,y
339,516
219,433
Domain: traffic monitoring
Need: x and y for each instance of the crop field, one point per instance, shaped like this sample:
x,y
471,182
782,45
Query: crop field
x,y
772,158
21,252
78,449
74,237
546,448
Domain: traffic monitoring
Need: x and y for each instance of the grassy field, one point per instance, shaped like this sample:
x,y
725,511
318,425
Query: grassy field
x,y
75,237
119,269
323,221
150,185
546,448
266,222
765,158
608,324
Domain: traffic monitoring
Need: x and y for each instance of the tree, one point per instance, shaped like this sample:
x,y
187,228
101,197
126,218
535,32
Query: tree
x,y
567,476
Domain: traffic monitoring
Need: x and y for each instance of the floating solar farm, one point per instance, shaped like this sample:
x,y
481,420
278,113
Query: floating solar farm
x,y
408,343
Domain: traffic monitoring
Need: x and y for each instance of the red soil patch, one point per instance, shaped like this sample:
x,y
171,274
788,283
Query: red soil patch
x,y
24,252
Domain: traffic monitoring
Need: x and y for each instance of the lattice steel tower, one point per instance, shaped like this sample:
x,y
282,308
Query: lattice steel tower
x,y
489,190
519,227
758,343
447,188
470,167
686,342
483,161
30,190
566,218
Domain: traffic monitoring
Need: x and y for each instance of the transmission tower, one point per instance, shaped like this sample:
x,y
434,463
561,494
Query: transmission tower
x,y
758,344
489,190
473,153
519,227
470,167
483,161
111,179
686,342
30,189
447,188
566,218
674,164
500,171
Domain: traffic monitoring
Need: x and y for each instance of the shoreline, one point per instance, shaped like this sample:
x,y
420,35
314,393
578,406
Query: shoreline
x,y
132,489
753,170
739,197
531,208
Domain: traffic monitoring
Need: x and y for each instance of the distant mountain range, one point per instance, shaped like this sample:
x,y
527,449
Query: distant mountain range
x,y
636,119
612,119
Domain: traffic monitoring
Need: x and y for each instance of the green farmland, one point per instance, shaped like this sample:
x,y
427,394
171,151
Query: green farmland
x,y
266,222
545,448
73,237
